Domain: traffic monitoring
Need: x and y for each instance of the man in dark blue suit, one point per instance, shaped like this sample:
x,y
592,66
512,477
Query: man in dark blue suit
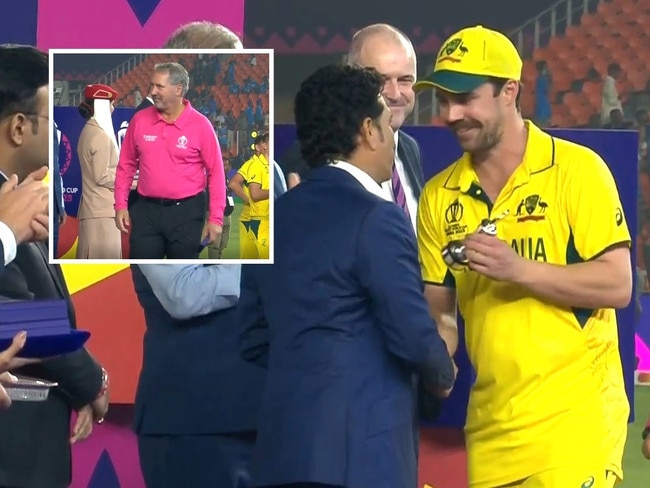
x,y
340,319
197,401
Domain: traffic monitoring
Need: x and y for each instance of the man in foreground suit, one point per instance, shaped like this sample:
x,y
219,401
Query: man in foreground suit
x,y
191,443
35,440
389,51
197,401
340,335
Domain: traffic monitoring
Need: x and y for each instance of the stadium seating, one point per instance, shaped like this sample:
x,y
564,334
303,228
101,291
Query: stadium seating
x,y
141,74
619,31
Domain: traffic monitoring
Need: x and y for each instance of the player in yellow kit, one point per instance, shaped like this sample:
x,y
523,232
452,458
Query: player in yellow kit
x,y
237,185
257,180
548,408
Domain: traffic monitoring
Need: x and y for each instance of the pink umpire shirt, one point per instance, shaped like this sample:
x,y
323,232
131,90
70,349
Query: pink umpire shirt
x,y
175,159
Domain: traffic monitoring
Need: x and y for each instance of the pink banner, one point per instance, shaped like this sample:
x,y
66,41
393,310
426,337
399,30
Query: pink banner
x,y
114,24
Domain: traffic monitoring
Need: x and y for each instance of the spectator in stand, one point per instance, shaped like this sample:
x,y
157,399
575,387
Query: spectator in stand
x,y
250,114
610,97
643,100
259,113
230,73
616,121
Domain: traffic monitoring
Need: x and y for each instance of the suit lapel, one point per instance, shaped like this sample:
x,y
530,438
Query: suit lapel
x,y
42,251
59,281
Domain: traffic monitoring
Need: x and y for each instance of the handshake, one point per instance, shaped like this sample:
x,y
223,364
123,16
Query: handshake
x,y
24,206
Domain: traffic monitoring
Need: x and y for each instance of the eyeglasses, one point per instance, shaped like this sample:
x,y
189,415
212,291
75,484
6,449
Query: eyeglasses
x,y
28,114
46,117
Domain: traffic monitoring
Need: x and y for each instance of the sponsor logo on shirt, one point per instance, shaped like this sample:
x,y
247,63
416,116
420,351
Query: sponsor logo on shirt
x,y
182,142
148,138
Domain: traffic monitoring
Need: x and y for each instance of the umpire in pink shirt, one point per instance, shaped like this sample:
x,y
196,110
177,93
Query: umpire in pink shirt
x,y
175,149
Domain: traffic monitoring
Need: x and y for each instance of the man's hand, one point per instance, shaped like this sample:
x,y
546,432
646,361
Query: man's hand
x,y
442,393
122,220
212,231
21,204
645,448
5,401
100,406
83,427
293,179
41,228
8,356
62,219
492,257
446,393
8,359
38,175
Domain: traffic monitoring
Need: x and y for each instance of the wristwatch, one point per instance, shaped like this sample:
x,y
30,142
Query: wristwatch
x,y
104,388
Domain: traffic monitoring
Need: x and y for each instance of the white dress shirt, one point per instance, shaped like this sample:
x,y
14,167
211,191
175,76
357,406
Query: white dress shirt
x,y
387,187
177,286
278,169
362,177
8,239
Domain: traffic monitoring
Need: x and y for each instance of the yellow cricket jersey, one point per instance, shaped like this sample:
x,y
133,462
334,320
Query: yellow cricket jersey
x,y
258,172
541,369
243,171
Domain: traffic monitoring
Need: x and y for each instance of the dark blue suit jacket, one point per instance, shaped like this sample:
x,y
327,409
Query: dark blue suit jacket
x,y
341,323
193,380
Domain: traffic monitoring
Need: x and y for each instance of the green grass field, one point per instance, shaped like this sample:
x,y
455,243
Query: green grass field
x,y
232,250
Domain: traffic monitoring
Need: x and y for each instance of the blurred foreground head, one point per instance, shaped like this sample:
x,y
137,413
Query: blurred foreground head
x,y
24,109
203,35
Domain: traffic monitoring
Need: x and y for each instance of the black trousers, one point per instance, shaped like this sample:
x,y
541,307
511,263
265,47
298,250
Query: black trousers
x,y
166,228
201,461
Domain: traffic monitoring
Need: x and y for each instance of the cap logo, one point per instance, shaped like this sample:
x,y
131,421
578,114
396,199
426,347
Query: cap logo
x,y
101,93
453,51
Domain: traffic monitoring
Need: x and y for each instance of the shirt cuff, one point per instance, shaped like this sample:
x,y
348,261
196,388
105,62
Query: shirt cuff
x,y
8,242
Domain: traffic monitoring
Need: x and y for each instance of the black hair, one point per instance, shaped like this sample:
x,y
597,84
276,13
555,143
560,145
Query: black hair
x,y
260,138
613,68
86,109
23,70
330,107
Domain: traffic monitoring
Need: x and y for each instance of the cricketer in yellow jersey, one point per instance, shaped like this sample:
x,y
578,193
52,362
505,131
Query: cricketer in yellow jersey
x,y
257,181
237,185
548,408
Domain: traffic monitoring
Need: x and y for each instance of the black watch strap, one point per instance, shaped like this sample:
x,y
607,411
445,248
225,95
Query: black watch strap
x,y
645,432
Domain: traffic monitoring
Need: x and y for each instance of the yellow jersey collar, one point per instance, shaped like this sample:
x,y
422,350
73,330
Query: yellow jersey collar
x,y
539,156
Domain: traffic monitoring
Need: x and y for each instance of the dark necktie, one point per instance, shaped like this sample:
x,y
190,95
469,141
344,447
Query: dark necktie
x,y
398,192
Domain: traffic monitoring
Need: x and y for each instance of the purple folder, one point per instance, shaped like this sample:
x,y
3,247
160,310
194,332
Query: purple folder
x,y
47,324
